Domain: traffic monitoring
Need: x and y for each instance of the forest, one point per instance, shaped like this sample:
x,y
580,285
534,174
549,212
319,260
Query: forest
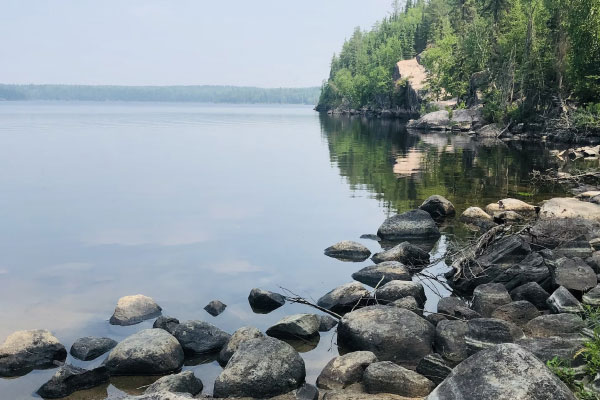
x,y
204,94
531,59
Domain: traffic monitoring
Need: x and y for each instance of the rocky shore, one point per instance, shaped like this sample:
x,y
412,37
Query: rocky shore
x,y
521,289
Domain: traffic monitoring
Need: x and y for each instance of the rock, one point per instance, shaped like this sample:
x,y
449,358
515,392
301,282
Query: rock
x,y
533,268
395,290
438,207
295,326
347,395
484,333
488,297
406,253
434,368
562,301
574,274
370,236
517,312
69,379
437,120
167,323
556,233
506,371
348,251
518,206
508,217
450,340
555,325
466,314
465,120
343,298
345,370
415,224
306,392
477,218
447,305
148,352
215,308
24,351
238,337
387,377
435,319
595,243
263,301
382,273
163,395
375,329
533,293
89,348
594,261
132,310
546,348
184,382
261,368
326,323
569,208
491,131
592,298
408,303
199,337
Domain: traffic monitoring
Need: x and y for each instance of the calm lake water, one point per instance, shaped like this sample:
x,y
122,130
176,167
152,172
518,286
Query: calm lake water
x,y
187,203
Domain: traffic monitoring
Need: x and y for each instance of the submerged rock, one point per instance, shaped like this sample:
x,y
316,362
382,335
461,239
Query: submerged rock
x,y
261,368
24,351
562,301
295,326
263,301
343,298
132,310
382,273
69,379
415,224
326,323
241,335
395,290
555,325
438,207
434,368
184,382
215,308
89,348
199,337
348,251
345,370
387,377
406,253
487,297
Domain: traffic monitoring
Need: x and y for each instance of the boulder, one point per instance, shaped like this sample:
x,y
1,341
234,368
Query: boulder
x,y
306,392
415,224
478,218
89,348
326,323
574,274
592,298
531,292
406,253
487,297
484,333
408,303
434,368
215,307
437,120
438,207
562,301
370,236
347,395
491,131
69,379
465,120
24,351
466,314
518,206
375,329
435,319
382,273
395,290
132,310
517,312
450,340
565,348
199,337
343,298
184,382
148,352
167,323
295,326
261,368
533,268
387,377
569,208
263,301
348,251
506,371
508,217
561,233
555,325
238,337
345,370
448,305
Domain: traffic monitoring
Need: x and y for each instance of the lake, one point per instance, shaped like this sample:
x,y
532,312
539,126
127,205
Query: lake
x,y
187,203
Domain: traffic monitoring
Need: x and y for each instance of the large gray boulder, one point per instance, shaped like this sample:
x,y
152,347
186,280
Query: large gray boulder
x,y
412,256
483,333
565,348
69,379
574,274
345,370
134,309
261,368
376,329
24,351
348,250
436,120
438,207
506,371
89,348
562,301
395,290
199,337
517,312
415,224
264,301
478,219
326,323
241,335
555,325
382,273
533,293
592,298
450,340
167,323
434,368
487,297
148,352
343,298
559,208
295,326
184,382
387,377
408,303
448,305
515,205
535,267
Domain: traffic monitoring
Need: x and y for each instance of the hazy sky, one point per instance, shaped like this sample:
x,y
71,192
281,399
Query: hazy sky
x,y
267,43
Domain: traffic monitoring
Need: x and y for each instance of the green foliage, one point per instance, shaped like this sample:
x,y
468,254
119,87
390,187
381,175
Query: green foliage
x,y
587,117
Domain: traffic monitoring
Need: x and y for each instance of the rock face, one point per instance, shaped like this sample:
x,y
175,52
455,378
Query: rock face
x,y
569,208
69,379
295,326
415,224
574,274
488,297
562,301
215,307
24,351
533,293
384,272
343,298
438,207
184,382
406,253
89,348
518,206
517,312
375,329
199,337
326,323
506,371
241,335
348,251
343,371
263,301
434,368
437,120
555,325
484,333
261,368
148,352
387,377
132,310
395,290
450,340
